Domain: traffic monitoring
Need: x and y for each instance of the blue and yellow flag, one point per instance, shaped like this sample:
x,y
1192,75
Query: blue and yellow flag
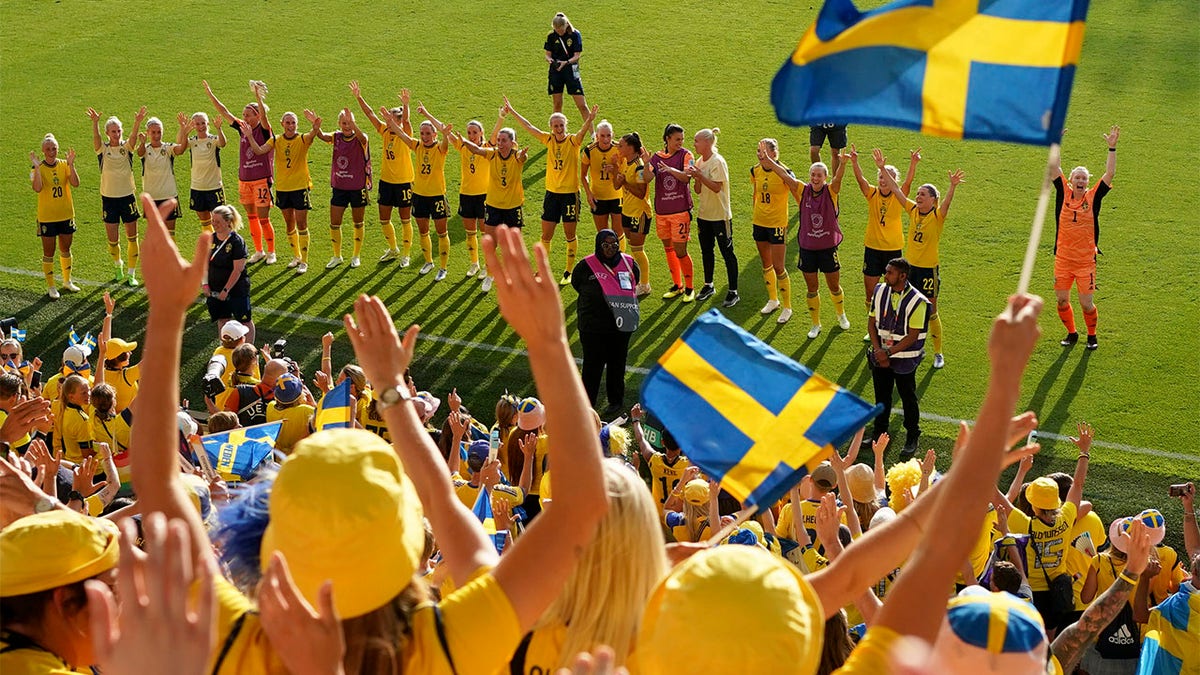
x,y
997,70
87,342
236,454
483,511
333,410
1172,642
750,417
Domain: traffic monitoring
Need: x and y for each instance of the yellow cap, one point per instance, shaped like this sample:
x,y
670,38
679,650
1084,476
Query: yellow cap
x,y
56,548
1043,494
342,509
860,478
741,586
696,492
117,347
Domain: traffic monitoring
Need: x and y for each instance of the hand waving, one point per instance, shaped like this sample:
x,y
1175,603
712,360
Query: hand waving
x,y
382,354
171,281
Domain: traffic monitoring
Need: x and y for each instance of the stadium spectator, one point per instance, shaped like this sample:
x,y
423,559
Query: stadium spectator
x,y
714,216
629,174
255,172
564,48
207,186
52,180
836,134
673,209
158,166
227,285
607,308
897,327
116,190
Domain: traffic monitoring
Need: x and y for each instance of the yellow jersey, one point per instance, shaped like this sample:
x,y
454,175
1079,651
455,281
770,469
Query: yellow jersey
x,y
431,170
291,162
562,163
54,201
873,653
125,381
632,205
116,433
397,164
1051,542
73,433
467,493
505,190
885,231
474,170
16,659
771,198
600,181
664,476
924,235
295,426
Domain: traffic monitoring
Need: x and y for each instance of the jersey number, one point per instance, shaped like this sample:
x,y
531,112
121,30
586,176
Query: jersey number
x,y
264,194
426,169
391,155
766,198
288,162
503,181
919,237
604,175
558,165
56,191
666,491
472,167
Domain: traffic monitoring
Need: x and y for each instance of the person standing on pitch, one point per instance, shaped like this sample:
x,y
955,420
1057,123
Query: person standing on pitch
x,y
608,315
897,324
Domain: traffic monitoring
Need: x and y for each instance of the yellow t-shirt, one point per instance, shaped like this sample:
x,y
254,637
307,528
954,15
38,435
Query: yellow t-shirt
x,y
467,494
295,424
1051,541
33,661
505,190
981,552
598,179
632,205
771,198
885,231
125,381
116,171
431,170
665,476
397,166
562,163
1167,581
872,655
808,520
54,201
1077,566
474,170
74,433
116,433
291,162
924,235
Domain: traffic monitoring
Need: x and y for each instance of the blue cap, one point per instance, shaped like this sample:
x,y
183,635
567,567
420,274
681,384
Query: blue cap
x,y
477,454
288,388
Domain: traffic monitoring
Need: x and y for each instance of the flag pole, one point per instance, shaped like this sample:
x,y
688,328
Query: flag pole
x,y
1039,219
739,518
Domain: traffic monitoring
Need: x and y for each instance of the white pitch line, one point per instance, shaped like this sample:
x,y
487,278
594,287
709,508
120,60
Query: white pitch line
x,y
513,351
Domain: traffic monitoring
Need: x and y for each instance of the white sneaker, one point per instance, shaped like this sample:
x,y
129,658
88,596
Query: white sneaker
x,y
486,285
405,261
441,274
390,254
814,331
771,306
867,337
270,259
426,268
301,268
643,289
70,287
784,316
333,262
472,270
52,293
258,255
939,361
355,262
844,322
293,263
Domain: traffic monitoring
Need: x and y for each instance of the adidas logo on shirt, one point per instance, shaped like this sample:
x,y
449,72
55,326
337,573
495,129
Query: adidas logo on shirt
x,y
1122,637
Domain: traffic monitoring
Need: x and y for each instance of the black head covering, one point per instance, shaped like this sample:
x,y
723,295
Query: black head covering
x,y
602,236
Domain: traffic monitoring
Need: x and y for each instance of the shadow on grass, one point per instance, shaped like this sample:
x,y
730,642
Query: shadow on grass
x,y
1038,399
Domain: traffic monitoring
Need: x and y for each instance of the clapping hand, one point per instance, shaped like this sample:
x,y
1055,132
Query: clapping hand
x,y
531,305
381,352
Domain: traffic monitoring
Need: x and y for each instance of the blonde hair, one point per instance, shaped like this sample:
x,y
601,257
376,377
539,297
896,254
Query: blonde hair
x,y
291,115
622,565
709,135
892,170
201,115
696,517
154,122
49,138
772,144
603,124
356,375
111,121
477,124
1077,169
560,20
819,165
560,116
512,134
231,215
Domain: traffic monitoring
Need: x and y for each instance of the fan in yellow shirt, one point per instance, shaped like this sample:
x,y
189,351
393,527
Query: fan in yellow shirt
x,y
52,180
292,405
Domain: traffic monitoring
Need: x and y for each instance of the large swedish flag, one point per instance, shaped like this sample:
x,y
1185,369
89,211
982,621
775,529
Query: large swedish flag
x,y
333,410
985,69
236,454
483,511
750,417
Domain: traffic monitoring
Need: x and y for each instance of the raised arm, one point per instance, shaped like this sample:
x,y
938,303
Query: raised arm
x,y
836,183
264,120
35,176
863,184
248,134
636,415
220,135
521,120
495,135
316,126
1084,442
885,177
788,179
358,132
913,158
1191,531
405,110
1014,488
839,464
140,144
137,125
1110,163
956,177
181,139
587,125
220,106
394,125
362,103
437,124
878,447
97,140
471,147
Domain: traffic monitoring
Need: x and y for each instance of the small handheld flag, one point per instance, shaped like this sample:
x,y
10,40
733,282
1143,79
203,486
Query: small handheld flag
x,y
333,410
236,454
87,342
483,511
17,334
750,417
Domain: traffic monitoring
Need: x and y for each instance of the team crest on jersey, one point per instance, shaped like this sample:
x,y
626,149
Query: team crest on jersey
x,y
570,42
1085,207
228,248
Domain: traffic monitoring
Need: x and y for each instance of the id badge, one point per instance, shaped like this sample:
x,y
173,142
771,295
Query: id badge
x,y
625,281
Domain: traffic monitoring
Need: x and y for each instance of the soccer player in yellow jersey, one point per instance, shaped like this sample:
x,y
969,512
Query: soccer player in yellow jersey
x,y
926,218
429,185
628,174
770,221
207,188
473,184
506,192
884,238
52,180
293,182
116,189
395,179
562,179
604,200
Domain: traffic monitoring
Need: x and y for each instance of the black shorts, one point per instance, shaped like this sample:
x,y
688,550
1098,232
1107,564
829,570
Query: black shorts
x,y
232,307
174,215
925,279
605,207
558,206
430,207
352,198
567,78
770,235
395,194
471,206
836,133
638,225
510,217
56,228
206,200
293,199
120,209
875,261
825,260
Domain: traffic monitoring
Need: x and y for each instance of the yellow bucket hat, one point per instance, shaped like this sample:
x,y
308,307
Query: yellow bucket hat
x,y
342,509
1043,494
741,586
56,548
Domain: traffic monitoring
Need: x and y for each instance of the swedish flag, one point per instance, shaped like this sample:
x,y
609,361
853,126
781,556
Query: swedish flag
x,y
333,410
985,69
1172,642
87,341
750,417
236,454
483,511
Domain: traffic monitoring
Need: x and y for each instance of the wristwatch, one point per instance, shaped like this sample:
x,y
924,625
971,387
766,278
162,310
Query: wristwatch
x,y
389,397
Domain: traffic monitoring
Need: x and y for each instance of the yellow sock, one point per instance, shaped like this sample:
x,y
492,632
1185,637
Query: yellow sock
x,y
427,246
206,225
572,247
769,279
406,234
335,235
785,290
64,261
389,234
473,246
547,244
134,251
359,232
48,270
814,308
304,239
294,240
839,301
114,250
935,332
443,250
639,256
621,241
